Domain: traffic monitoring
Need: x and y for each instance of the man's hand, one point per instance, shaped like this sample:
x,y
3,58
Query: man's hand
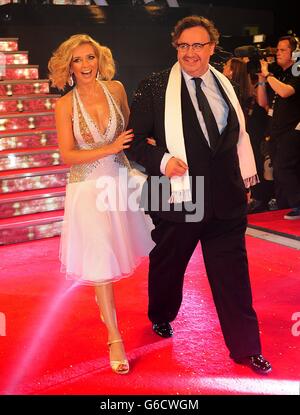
x,y
176,167
264,68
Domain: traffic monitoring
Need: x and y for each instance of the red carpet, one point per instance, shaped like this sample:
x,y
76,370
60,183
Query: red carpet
x,y
274,221
55,344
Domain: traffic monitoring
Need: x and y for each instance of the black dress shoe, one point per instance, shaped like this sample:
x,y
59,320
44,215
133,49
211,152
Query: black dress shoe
x,y
257,362
163,329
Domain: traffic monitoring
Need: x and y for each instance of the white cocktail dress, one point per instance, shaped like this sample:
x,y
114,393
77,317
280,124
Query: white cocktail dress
x,y
104,233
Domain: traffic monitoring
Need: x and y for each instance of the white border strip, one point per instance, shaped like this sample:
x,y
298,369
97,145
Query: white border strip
x,y
271,237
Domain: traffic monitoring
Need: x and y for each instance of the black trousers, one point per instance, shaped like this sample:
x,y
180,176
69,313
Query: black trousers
x,y
225,257
286,168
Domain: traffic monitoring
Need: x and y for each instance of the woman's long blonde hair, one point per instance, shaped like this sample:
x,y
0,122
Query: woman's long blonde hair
x,y
60,62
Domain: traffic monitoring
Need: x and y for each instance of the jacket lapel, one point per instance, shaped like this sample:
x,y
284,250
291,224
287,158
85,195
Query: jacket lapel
x,y
232,120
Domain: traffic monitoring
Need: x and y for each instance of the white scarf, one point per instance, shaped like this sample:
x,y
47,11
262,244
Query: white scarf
x,y
180,185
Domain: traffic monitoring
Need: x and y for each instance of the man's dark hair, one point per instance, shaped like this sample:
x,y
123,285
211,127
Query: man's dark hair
x,y
194,21
292,41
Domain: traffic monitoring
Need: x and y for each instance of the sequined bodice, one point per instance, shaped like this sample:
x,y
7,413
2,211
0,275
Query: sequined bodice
x,y
88,136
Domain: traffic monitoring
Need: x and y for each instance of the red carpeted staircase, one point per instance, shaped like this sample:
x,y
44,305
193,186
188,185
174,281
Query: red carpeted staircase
x,y
32,176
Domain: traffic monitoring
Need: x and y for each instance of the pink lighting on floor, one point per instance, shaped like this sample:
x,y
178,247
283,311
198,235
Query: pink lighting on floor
x,y
40,343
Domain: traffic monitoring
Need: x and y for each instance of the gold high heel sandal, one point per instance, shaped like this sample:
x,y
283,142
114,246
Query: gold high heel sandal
x,y
121,367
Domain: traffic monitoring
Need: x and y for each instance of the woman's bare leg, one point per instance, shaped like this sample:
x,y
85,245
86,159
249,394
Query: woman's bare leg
x,y
106,302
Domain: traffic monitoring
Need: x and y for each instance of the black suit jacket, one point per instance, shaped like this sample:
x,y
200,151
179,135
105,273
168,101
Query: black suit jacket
x,y
224,190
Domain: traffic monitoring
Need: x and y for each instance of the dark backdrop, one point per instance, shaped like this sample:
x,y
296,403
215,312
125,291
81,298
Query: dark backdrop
x,y
139,36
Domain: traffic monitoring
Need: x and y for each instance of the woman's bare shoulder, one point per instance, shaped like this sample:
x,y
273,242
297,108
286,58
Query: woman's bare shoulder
x,y
115,87
64,102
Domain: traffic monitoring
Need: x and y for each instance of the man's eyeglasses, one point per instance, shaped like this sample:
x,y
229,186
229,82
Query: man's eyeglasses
x,y
195,46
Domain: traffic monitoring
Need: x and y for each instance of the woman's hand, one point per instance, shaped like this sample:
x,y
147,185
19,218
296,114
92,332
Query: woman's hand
x,y
151,141
122,142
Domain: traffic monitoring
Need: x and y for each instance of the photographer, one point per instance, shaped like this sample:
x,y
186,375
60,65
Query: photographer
x,y
282,95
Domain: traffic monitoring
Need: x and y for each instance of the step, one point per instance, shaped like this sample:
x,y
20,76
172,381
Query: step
x,y
9,44
35,178
26,120
27,103
19,57
30,227
24,87
29,158
17,72
28,139
31,201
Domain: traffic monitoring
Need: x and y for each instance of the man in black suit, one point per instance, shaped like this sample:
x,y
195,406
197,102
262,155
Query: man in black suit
x,y
193,114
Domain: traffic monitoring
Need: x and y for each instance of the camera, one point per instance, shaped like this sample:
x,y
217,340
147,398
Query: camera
x,y
254,54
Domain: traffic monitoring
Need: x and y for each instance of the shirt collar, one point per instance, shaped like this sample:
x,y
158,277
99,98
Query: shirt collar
x,y
206,78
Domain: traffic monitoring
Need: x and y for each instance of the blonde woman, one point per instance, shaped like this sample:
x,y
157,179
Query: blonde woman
x,y
99,244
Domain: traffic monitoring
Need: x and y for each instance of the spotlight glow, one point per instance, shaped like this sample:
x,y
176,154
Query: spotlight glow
x,y
47,318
